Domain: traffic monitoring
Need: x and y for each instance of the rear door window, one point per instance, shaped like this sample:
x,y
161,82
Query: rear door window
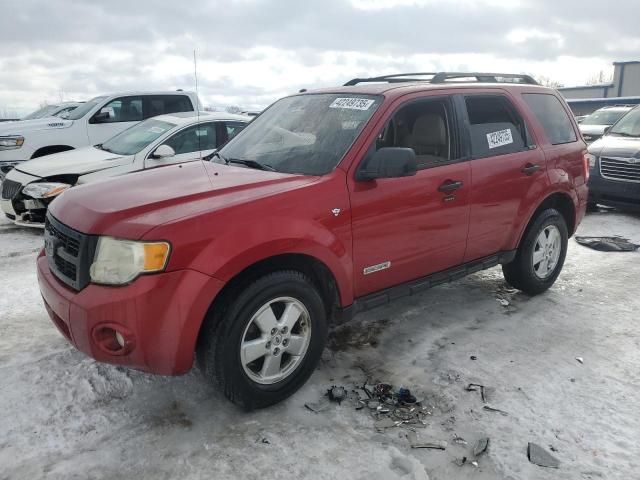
x,y
495,126
163,104
552,116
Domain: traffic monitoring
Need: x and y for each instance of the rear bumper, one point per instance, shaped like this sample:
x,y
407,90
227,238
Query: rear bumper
x,y
613,193
158,315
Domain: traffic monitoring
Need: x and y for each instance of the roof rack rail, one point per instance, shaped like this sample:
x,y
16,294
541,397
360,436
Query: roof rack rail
x,y
444,77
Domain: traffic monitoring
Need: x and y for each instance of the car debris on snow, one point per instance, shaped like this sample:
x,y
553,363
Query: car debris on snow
x,y
539,456
608,244
496,410
480,446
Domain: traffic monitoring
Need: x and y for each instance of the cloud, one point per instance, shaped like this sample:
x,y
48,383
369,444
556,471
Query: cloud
x,y
250,52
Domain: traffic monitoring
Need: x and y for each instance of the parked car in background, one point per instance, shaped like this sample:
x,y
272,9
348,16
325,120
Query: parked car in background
x,y
615,165
89,124
580,118
593,126
29,188
327,203
54,110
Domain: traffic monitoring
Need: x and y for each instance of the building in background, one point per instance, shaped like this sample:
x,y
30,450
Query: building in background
x,y
623,90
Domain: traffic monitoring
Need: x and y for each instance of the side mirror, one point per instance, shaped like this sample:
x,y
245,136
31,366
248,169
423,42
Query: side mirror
x,y
389,162
101,117
163,151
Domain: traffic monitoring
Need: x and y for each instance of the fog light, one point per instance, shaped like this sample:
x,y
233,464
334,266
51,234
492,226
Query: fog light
x,y
113,339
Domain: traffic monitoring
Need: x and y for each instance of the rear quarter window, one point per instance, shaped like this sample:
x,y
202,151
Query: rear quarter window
x,y
552,116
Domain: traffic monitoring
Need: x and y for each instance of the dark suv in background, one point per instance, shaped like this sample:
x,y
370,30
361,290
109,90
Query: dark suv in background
x,y
615,165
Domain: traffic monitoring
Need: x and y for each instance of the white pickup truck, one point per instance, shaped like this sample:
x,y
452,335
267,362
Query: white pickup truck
x,y
91,123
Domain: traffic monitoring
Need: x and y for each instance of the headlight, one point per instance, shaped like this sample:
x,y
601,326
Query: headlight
x,y
118,262
592,160
11,143
45,189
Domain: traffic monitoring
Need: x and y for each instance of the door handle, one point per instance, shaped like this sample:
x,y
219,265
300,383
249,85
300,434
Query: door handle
x,y
530,169
450,186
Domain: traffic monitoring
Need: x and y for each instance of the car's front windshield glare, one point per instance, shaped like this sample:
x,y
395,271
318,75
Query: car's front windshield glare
x,y
629,125
604,117
136,138
307,134
85,108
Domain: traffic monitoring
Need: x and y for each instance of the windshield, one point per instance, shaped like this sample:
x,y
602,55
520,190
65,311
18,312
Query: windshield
x,y
603,117
628,126
307,134
42,112
85,108
136,138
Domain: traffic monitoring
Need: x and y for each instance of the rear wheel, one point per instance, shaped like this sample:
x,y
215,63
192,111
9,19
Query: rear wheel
x,y
541,254
265,343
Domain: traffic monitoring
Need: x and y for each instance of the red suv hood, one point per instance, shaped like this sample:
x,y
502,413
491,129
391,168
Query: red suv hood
x,y
131,205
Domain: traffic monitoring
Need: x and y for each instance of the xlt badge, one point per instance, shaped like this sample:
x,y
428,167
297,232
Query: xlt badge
x,y
376,268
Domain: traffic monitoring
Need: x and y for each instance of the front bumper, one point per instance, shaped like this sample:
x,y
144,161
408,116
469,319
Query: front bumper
x,y
613,193
159,316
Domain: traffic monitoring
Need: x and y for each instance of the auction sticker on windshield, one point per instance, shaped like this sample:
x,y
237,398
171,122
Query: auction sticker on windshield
x,y
352,103
500,138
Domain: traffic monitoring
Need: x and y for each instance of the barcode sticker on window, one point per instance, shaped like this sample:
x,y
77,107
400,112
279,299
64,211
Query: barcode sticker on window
x,y
352,103
500,138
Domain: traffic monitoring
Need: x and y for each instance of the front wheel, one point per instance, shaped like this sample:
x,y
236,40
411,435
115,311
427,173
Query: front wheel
x,y
541,254
265,343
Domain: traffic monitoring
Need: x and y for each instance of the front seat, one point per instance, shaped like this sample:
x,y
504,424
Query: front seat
x,y
429,136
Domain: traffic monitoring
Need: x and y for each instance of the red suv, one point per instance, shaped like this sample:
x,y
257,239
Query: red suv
x,y
328,203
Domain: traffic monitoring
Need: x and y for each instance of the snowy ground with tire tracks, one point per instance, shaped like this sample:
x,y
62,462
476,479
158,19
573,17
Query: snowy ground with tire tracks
x,y
62,415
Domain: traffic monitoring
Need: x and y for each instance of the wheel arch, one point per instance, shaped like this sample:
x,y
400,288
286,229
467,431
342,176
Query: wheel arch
x,y
319,273
563,203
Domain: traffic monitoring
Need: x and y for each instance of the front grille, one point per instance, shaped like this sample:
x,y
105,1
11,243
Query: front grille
x,y
623,169
10,189
69,253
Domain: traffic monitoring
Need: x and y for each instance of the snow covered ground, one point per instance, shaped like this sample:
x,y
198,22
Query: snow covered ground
x,y
62,415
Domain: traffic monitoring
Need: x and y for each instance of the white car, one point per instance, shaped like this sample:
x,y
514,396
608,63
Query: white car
x,y
55,110
91,123
31,186
593,126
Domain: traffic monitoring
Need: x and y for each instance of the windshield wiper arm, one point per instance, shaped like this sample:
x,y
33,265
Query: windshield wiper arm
x,y
251,164
622,134
216,153
101,147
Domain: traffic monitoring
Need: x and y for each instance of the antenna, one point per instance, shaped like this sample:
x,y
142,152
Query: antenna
x,y
195,75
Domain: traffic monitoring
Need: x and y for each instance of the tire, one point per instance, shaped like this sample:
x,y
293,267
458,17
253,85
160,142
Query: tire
x,y
231,328
534,278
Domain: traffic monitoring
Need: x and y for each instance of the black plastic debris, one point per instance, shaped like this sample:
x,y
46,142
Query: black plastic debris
x,y
496,410
480,446
539,456
474,387
337,394
404,396
608,244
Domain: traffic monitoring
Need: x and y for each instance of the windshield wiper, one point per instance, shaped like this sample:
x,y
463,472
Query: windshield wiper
x,y
215,153
101,147
251,164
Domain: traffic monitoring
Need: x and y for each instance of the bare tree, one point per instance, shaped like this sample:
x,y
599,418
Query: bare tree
x,y
234,109
548,81
600,78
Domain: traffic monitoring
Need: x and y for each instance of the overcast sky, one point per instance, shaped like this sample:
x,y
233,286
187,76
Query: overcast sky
x,y
251,52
